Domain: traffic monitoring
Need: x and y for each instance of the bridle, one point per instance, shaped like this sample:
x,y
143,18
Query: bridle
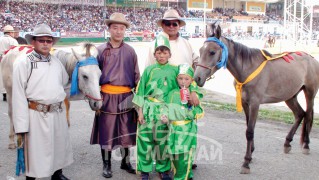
x,y
74,84
223,59
211,75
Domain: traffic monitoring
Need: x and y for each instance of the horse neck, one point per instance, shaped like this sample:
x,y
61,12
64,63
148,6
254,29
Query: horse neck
x,y
242,60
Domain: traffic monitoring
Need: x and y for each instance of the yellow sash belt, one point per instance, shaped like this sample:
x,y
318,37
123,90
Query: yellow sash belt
x,y
111,89
178,123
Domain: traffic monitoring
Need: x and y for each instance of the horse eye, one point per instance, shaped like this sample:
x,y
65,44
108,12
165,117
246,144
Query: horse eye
x,y
85,77
212,53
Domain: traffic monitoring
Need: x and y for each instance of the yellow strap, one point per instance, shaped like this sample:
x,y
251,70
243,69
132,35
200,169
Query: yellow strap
x,y
111,89
178,123
239,85
154,99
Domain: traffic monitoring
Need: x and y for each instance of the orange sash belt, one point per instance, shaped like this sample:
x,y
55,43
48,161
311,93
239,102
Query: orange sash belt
x,y
111,89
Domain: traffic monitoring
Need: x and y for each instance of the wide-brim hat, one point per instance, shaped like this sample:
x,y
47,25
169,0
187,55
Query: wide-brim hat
x,y
169,15
117,18
8,28
40,31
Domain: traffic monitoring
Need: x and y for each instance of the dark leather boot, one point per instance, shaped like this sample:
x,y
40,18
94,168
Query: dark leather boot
x,y
107,171
126,165
29,178
194,166
58,175
4,97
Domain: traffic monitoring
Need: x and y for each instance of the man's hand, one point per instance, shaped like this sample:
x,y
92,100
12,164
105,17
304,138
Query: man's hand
x,y
20,139
193,99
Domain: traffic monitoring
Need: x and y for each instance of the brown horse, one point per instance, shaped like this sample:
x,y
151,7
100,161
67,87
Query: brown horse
x,y
277,81
271,41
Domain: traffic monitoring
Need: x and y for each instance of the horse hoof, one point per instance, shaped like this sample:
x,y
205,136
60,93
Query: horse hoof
x,y
245,170
306,151
12,146
287,150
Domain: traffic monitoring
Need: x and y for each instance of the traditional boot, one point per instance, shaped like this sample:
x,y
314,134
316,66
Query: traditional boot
x,y
107,172
126,165
29,178
58,175
4,97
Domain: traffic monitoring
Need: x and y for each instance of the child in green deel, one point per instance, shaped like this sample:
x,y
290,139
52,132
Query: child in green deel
x,y
155,84
182,118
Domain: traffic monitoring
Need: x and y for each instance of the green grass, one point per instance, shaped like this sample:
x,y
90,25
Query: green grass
x,y
276,115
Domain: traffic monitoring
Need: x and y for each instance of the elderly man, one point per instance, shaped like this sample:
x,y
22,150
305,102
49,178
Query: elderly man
x,y
115,124
17,36
36,103
6,42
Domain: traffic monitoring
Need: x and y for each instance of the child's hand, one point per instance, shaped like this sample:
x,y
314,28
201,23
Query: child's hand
x,y
164,119
193,99
141,119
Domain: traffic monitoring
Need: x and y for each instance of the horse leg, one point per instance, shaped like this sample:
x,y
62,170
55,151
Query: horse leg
x,y
246,110
299,114
252,111
12,144
308,120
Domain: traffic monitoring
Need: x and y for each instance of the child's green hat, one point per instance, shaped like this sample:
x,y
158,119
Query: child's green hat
x,y
185,69
162,40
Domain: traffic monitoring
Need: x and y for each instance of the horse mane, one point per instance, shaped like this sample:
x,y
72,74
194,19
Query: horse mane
x,y
244,51
67,59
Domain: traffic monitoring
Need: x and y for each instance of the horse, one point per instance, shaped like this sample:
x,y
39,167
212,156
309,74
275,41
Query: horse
x,y
261,77
88,76
271,41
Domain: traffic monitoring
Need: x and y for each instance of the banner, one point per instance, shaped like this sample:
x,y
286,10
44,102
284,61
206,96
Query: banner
x,y
73,2
81,34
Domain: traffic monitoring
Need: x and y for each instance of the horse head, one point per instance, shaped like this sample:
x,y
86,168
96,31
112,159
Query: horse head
x,y
88,74
213,55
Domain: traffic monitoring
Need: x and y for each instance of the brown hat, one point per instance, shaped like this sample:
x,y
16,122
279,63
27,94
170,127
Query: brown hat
x,y
8,28
171,14
117,18
40,31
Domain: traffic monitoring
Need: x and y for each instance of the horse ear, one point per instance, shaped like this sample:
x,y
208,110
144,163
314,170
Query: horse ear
x,y
209,30
218,32
77,56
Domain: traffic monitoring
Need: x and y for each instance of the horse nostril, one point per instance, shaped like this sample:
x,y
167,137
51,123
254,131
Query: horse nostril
x,y
95,104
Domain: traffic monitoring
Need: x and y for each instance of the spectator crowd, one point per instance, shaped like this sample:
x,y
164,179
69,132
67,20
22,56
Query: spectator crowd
x,y
85,18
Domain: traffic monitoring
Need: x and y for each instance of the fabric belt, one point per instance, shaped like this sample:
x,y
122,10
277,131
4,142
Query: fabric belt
x,y
45,108
178,123
111,89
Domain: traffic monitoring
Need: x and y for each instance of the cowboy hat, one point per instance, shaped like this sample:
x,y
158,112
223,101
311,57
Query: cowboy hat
x,y
40,31
117,18
171,14
8,28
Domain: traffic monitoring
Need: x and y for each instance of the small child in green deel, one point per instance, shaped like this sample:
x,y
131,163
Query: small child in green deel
x,y
182,119
152,90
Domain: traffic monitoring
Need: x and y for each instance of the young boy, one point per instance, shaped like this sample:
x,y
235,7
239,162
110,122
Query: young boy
x,y
155,84
182,126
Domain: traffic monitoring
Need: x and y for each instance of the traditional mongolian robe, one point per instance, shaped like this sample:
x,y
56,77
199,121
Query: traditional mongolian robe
x,y
182,138
5,43
42,80
155,84
115,124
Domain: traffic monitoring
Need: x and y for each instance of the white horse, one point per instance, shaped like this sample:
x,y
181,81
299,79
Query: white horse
x,y
88,76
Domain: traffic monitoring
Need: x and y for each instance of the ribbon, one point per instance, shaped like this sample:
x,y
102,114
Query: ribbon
x,y
74,81
224,57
